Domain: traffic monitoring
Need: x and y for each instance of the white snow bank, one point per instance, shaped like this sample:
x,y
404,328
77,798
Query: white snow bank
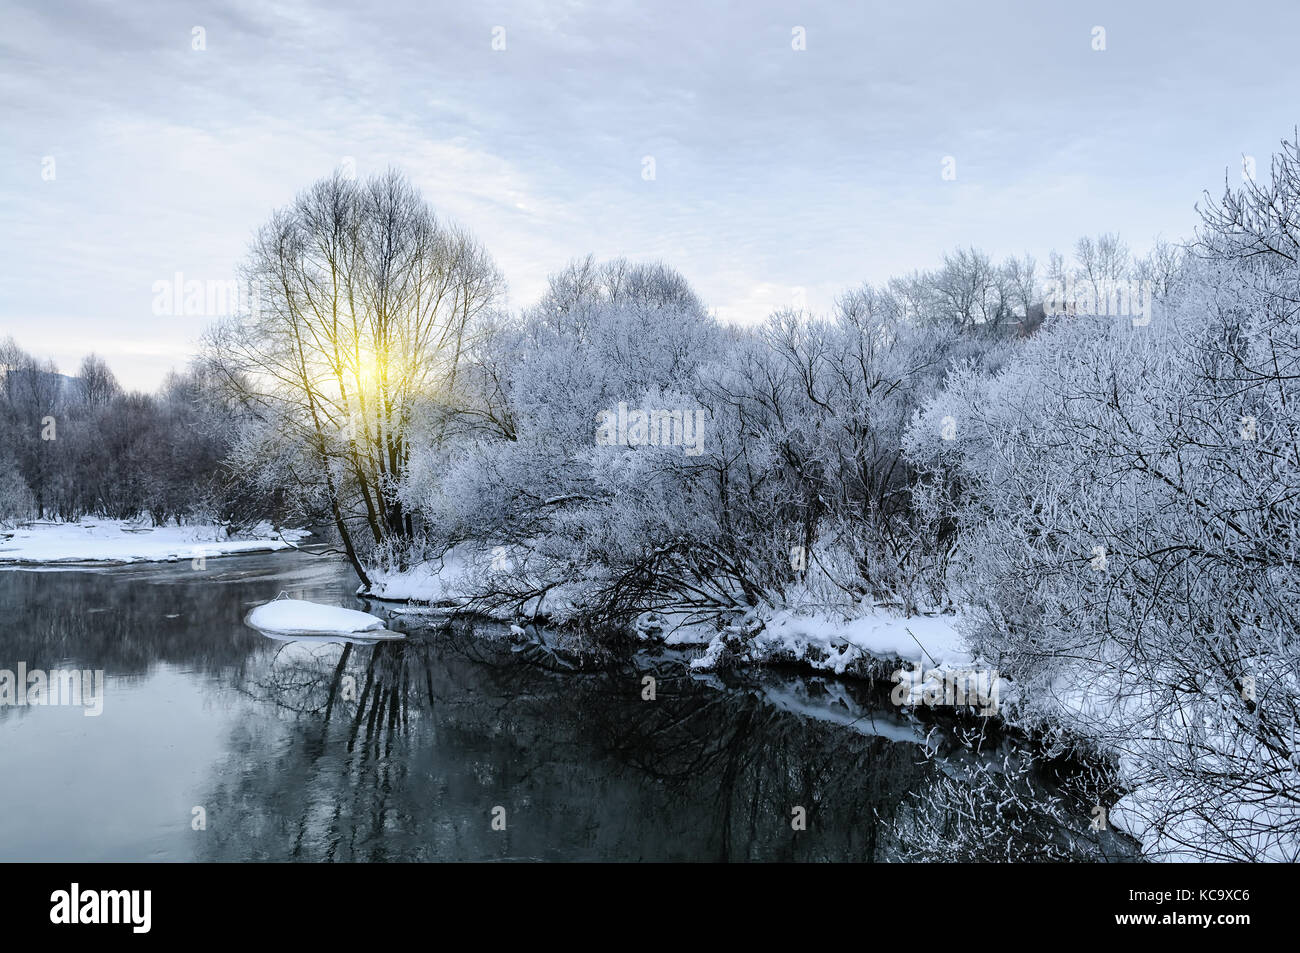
x,y
1174,826
92,541
674,629
299,617
823,642
831,645
296,620
1150,727
436,582
450,582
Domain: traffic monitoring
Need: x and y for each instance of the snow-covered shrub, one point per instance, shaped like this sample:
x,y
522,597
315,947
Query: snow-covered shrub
x,y
1128,497
16,501
795,494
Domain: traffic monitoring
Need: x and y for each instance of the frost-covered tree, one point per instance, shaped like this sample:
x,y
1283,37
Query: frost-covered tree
x,y
520,463
1102,261
32,401
96,383
798,491
16,500
1126,498
365,306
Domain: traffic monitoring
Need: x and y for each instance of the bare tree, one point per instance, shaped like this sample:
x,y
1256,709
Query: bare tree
x,y
1021,276
1160,267
1102,262
364,307
31,403
97,383
971,292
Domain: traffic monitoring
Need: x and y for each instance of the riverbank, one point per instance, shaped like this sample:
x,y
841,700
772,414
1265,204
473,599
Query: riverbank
x,y
852,643
929,664
104,542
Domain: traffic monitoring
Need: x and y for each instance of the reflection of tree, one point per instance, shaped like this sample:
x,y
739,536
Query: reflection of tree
x,y
309,678
446,725
1002,808
759,762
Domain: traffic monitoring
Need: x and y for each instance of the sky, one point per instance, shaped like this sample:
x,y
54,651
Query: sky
x,y
140,141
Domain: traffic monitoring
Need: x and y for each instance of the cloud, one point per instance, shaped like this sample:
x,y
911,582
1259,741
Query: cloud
x,y
774,168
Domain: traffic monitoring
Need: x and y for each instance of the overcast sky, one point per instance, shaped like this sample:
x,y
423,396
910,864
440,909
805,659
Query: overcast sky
x,y
774,168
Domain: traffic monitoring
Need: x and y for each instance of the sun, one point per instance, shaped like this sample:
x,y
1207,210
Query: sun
x,y
369,368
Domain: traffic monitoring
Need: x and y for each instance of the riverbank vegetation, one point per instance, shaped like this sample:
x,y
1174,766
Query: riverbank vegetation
x,y
83,446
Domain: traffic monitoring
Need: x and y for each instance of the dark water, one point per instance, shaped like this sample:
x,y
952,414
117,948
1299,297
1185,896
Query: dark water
x,y
405,751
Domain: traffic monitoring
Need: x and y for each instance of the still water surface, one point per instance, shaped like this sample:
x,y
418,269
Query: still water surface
x,y
404,751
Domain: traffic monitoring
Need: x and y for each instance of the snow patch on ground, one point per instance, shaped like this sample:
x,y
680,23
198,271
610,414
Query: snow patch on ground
x,y
436,582
831,645
95,541
675,629
1174,818
819,640
448,584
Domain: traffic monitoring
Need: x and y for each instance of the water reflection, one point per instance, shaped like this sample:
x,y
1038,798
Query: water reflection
x,y
319,750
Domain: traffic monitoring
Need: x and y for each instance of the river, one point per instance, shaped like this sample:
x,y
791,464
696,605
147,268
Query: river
x,y
216,743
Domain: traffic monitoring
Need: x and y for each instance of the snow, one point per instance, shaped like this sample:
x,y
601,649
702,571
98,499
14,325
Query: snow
x,y
450,582
674,629
297,617
832,645
1174,827
96,541
880,633
434,582
819,640
1138,721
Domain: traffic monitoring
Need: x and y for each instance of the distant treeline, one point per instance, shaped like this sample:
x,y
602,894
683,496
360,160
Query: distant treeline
x,y
78,446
